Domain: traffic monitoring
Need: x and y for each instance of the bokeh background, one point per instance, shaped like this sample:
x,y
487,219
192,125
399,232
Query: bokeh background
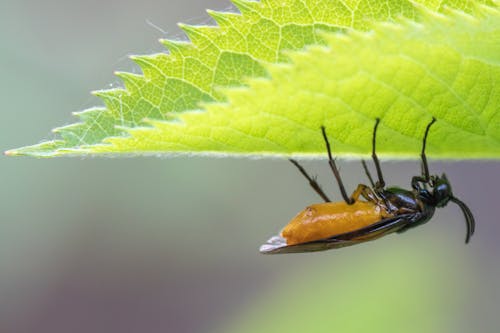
x,y
171,245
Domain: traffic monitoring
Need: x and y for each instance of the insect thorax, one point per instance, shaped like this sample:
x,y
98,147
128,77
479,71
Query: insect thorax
x,y
401,201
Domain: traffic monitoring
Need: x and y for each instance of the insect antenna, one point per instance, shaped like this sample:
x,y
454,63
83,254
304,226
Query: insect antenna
x,y
312,181
469,218
333,166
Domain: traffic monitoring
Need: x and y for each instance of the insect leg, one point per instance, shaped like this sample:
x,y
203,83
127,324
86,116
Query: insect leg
x,y
380,183
314,184
366,192
336,173
424,158
365,167
425,168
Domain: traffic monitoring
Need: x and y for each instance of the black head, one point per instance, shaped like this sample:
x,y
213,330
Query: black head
x,y
441,190
440,193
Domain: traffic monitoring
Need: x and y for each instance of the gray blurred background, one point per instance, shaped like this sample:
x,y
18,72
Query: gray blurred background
x,y
171,245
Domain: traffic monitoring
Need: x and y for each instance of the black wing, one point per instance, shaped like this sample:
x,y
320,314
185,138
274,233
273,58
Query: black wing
x,y
384,227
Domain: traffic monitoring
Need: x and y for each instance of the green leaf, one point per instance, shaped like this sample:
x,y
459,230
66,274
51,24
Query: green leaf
x,y
402,72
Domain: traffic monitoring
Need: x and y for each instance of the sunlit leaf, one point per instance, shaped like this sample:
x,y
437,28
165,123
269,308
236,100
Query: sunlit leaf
x,y
423,64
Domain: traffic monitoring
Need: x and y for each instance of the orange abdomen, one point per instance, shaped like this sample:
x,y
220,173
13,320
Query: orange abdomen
x,y
332,218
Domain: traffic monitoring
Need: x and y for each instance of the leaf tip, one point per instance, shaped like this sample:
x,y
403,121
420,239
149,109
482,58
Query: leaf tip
x,y
219,17
174,46
242,5
11,152
184,26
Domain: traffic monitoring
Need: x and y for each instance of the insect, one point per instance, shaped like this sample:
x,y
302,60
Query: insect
x,y
370,212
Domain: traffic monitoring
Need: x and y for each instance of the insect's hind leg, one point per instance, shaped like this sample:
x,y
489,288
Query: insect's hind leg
x,y
314,184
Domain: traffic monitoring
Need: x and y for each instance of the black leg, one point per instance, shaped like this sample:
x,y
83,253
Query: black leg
x,y
380,183
368,173
425,177
312,181
425,167
331,161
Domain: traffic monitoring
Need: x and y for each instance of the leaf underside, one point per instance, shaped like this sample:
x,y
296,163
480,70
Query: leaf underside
x,y
262,83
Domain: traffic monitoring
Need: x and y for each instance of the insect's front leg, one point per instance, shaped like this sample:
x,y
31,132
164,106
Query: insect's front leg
x,y
416,182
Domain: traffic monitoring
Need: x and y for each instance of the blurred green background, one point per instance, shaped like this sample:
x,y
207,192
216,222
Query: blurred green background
x,y
171,245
